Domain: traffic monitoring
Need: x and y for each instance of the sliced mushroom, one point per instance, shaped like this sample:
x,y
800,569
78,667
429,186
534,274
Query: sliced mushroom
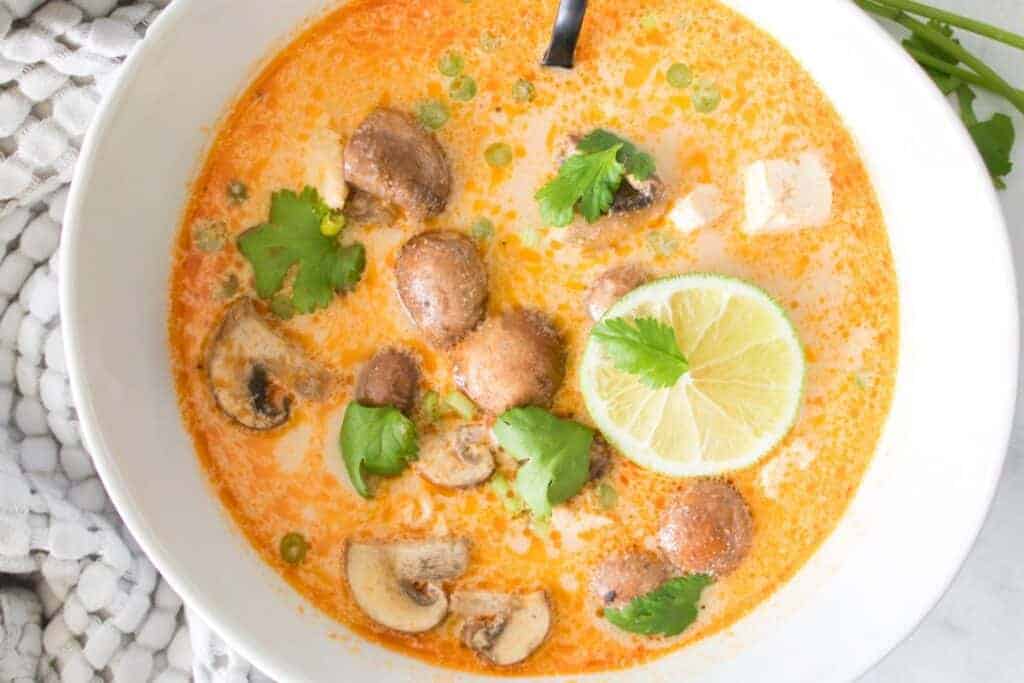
x,y
389,378
363,208
456,458
503,629
393,158
612,285
398,584
513,360
600,458
707,528
620,578
442,283
254,372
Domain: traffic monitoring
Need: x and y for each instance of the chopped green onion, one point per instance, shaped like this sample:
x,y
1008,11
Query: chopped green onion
x,y
523,91
458,402
530,238
333,223
282,307
430,406
237,192
489,42
432,114
705,97
514,505
679,75
229,287
211,236
499,154
607,496
293,548
482,228
462,89
451,63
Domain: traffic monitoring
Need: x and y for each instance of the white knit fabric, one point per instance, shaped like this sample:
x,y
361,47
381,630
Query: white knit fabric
x,y
98,611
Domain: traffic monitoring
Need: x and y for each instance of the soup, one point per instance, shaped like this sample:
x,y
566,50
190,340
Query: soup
x,y
482,439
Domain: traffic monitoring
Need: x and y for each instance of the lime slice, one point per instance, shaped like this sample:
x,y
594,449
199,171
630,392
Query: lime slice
x,y
739,398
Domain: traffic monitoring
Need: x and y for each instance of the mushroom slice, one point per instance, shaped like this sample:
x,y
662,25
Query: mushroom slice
x,y
456,459
396,584
254,372
503,629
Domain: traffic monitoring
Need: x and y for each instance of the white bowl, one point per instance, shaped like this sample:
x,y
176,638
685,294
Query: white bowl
x,y
910,526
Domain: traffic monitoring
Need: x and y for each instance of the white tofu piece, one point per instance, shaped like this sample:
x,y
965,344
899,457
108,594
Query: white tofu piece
x,y
787,195
324,170
699,208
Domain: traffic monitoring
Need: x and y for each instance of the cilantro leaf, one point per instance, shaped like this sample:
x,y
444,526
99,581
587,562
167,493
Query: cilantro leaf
x,y
667,610
638,164
647,348
292,237
589,180
556,454
380,440
993,137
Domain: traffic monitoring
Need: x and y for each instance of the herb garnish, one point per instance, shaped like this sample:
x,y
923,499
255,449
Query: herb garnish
x,y
646,348
666,611
555,453
377,439
292,238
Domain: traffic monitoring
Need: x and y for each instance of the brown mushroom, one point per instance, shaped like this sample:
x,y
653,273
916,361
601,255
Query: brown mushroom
x,y
612,285
512,360
620,578
707,528
389,378
503,629
254,372
363,208
393,158
398,585
457,458
442,283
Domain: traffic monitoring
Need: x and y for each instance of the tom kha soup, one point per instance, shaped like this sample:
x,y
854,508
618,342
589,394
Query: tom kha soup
x,y
525,370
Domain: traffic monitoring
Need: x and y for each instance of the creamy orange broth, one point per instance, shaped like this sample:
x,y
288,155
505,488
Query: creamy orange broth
x,y
837,282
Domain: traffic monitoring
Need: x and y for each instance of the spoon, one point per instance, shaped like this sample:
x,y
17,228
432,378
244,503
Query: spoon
x,y
565,34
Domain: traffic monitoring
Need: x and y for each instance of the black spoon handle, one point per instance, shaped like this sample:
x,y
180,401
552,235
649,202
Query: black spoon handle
x,y
566,33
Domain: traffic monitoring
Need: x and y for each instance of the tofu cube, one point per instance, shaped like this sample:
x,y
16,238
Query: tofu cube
x,y
699,208
787,195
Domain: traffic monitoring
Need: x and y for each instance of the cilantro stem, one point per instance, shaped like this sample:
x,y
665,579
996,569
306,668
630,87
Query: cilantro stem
x,y
933,62
960,21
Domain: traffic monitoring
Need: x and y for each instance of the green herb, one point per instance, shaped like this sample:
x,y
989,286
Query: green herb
x,y
482,228
705,97
489,42
432,114
292,239
523,91
377,439
237,192
229,287
514,505
293,548
462,89
460,403
451,63
646,348
282,307
638,164
666,611
210,236
499,154
588,181
679,75
607,496
993,137
555,452
430,407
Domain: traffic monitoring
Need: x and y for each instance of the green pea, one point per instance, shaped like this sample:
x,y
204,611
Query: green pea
x,y
282,307
430,407
210,236
649,21
482,228
706,98
489,42
432,114
607,496
451,63
333,223
462,89
499,154
293,548
523,91
237,192
679,75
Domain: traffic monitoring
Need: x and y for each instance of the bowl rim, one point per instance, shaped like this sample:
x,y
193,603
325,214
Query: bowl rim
x,y
172,18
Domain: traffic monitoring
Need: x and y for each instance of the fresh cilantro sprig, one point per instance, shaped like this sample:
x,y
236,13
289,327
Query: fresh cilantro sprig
x,y
955,69
376,439
665,611
590,177
292,238
646,348
555,453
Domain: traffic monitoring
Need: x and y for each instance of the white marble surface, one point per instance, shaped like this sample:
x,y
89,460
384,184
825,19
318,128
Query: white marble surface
x,y
976,632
